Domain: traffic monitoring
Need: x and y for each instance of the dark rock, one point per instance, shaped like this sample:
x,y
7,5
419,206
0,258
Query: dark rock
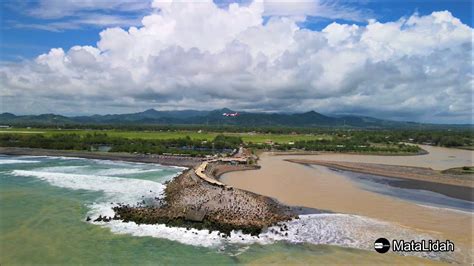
x,y
195,215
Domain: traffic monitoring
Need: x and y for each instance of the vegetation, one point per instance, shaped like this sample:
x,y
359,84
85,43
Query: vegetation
x,y
199,141
260,136
465,170
351,146
186,145
365,143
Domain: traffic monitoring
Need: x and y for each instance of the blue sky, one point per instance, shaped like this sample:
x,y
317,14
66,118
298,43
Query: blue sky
x,y
18,41
401,60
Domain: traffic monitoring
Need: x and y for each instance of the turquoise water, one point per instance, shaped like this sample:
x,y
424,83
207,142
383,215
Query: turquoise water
x,y
44,202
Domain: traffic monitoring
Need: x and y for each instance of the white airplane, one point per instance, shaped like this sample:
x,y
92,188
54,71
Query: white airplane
x,y
231,114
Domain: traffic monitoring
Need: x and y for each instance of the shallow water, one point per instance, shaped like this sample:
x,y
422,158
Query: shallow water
x,y
321,188
403,189
44,202
437,158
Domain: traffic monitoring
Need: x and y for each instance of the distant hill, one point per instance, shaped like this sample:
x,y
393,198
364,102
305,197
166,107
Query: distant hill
x,y
215,117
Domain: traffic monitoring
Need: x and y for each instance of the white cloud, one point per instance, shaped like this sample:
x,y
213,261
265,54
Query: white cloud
x,y
201,56
61,15
54,9
314,8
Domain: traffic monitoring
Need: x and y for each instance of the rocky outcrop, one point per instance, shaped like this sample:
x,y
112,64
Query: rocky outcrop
x,y
190,201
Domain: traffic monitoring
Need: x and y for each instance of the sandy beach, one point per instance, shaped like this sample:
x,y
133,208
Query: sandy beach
x,y
437,158
459,186
318,187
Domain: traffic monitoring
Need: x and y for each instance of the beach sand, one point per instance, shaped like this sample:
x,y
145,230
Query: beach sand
x,y
437,158
318,187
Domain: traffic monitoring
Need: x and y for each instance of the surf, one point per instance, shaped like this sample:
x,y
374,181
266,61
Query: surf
x,y
344,230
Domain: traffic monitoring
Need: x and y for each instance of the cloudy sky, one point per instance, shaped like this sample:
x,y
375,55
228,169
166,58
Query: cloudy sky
x,y
403,61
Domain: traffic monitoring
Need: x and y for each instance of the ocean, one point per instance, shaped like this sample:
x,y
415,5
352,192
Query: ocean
x,y
45,201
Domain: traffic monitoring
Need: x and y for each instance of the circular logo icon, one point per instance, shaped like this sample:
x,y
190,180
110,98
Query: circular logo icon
x,y
382,245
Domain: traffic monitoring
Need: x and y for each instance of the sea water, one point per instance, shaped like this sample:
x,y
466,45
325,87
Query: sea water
x,y
44,203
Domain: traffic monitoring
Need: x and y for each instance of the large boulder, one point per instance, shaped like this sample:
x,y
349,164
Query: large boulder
x,y
194,215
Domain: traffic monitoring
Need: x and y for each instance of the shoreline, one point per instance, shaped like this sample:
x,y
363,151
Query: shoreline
x,y
303,153
169,160
321,188
291,185
436,158
427,179
191,201
453,191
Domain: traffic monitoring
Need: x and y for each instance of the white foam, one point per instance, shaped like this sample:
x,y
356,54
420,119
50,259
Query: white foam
x,y
116,189
471,213
63,169
48,157
331,229
66,158
116,163
125,171
86,169
32,156
13,161
192,237
128,164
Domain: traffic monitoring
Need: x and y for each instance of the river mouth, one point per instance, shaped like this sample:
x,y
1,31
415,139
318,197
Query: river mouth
x,y
101,185
321,188
417,191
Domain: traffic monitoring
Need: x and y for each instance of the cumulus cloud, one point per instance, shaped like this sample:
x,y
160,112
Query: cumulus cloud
x,y
204,57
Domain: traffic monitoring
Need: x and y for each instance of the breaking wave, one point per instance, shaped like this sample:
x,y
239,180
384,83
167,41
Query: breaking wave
x,y
116,189
85,169
344,230
14,161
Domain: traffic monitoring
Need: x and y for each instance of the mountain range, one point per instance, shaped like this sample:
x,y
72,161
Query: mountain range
x,y
213,118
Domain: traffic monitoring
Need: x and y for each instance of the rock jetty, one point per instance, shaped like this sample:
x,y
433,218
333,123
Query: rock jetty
x,y
196,199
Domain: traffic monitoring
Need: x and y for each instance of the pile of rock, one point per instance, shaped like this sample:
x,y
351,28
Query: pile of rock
x,y
193,202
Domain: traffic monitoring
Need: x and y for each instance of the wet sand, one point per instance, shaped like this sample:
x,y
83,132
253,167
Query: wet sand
x,y
321,188
455,186
437,158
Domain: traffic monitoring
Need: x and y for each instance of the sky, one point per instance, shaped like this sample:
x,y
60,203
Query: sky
x,y
400,60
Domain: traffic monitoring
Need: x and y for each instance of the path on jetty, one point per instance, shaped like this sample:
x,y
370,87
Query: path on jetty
x,y
200,171
197,199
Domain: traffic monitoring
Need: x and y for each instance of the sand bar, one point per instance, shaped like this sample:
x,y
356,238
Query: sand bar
x,y
437,158
318,187
397,171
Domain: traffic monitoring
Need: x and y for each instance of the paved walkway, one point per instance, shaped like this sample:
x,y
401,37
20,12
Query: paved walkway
x,y
200,170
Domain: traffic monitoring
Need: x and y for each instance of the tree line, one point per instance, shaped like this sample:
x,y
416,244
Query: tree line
x,y
187,146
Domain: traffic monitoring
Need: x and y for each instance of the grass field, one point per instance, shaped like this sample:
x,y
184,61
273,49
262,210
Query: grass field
x,y
246,137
